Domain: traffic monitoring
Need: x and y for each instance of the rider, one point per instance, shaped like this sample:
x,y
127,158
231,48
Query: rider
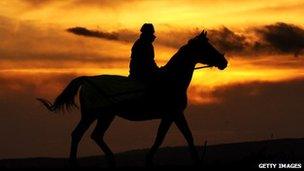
x,y
142,64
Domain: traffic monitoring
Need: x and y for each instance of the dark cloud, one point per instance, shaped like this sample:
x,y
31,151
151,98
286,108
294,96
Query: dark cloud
x,y
124,35
173,39
165,39
91,33
279,38
227,40
282,37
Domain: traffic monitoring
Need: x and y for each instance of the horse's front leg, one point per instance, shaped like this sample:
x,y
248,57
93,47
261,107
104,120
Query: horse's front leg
x,y
182,125
162,131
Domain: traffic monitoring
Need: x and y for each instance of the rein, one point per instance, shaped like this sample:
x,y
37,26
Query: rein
x,y
201,67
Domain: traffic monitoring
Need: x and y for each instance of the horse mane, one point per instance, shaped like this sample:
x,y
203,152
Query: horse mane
x,y
177,56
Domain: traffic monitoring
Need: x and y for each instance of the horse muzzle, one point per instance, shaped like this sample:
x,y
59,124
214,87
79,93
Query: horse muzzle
x,y
222,66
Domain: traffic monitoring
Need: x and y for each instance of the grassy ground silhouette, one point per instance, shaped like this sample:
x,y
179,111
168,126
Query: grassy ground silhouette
x,y
236,155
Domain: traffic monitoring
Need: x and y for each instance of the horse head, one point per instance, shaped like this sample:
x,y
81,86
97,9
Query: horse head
x,y
205,53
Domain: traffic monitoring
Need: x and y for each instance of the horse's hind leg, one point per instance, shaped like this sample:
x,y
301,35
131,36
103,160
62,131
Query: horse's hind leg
x,y
102,125
77,134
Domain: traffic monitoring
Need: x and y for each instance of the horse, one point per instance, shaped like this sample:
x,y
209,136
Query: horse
x,y
168,105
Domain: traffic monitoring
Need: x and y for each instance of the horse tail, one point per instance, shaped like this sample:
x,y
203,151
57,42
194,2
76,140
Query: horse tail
x,y
65,100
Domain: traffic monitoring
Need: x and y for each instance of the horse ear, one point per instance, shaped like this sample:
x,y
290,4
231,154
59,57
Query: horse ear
x,y
203,33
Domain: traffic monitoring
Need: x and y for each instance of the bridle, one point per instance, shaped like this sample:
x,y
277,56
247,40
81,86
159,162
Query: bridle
x,y
206,66
201,67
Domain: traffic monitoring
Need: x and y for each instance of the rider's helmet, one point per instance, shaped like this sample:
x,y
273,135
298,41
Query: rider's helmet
x,y
147,28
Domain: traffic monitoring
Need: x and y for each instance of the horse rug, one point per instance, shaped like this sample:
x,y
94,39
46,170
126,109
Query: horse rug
x,y
108,90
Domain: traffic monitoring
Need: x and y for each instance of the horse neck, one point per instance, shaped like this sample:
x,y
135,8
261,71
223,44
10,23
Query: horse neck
x,y
180,67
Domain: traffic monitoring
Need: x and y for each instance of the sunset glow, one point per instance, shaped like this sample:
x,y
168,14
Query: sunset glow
x,y
35,32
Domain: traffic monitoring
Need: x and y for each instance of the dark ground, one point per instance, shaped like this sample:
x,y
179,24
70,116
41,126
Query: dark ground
x,y
237,155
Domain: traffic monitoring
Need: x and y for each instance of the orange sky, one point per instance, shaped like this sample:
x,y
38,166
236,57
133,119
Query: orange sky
x,y
35,36
190,13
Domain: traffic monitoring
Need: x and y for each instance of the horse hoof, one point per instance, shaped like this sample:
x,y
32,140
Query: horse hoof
x,y
198,164
149,164
73,163
111,163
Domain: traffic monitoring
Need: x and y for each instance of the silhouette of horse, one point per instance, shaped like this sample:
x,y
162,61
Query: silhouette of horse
x,y
168,104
